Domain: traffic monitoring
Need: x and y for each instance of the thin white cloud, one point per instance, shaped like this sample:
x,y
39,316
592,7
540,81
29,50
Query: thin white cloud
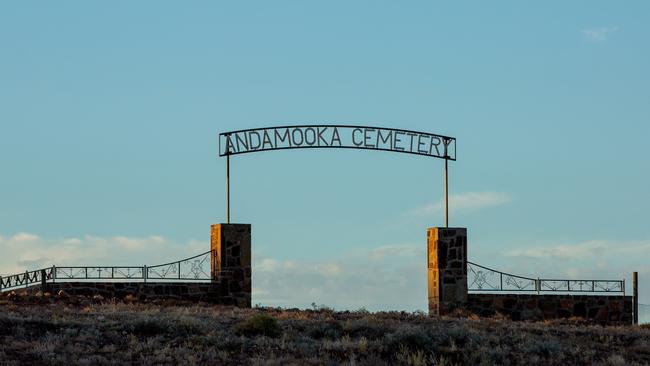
x,y
327,269
593,259
382,278
389,277
463,203
580,250
584,250
26,251
598,34
267,265
24,237
397,250
72,241
350,282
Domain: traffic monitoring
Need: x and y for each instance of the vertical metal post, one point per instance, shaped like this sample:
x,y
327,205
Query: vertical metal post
x,y
179,270
228,188
53,274
144,273
43,281
635,292
446,189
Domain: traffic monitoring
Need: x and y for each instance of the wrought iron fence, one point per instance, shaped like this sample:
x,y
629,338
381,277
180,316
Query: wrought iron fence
x,y
26,278
481,278
188,269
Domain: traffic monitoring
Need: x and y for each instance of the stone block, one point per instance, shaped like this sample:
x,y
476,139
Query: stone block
x,y
566,304
510,303
616,305
563,313
602,315
548,305
531,304
579,309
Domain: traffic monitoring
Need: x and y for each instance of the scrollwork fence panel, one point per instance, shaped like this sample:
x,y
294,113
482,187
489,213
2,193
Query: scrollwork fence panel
x,y
193,268
189,269
484,279
99,273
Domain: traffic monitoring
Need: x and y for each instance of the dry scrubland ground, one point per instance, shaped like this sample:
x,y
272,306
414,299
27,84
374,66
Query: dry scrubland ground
x,y
65,331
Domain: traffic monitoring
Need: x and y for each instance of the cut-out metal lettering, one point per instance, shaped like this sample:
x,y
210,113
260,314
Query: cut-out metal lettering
x,y
337,136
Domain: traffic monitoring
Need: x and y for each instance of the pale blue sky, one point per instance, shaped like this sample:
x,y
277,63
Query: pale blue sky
x,y
109,115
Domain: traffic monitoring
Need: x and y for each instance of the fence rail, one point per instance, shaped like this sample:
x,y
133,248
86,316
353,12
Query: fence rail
x,y
481,278
188,269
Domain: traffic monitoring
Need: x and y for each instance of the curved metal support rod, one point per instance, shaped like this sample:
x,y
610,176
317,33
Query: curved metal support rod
x,y
494,270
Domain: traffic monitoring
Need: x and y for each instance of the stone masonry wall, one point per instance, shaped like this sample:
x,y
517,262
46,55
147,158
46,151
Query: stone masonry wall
x,y
603,309
447,269
231,262
204,291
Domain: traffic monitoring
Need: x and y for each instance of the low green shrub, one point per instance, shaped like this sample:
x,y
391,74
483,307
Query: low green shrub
x,y
367,327
259,324
327,329
544,347
149,327
413,338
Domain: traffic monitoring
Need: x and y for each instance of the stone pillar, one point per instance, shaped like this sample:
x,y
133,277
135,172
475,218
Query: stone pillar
x,y
230,264
447,267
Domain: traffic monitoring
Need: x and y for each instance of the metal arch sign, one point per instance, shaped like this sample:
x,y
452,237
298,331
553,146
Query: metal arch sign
x,y
337,136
